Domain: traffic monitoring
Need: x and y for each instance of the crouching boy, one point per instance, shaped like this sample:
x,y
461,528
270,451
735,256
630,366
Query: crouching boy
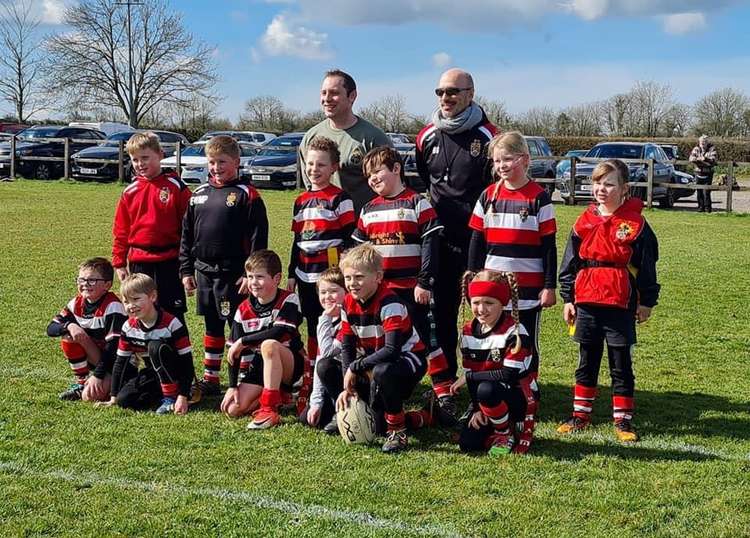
x,y
266,356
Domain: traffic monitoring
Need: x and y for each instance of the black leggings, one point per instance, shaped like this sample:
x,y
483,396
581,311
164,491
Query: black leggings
x,y
144,390
491,393
620,367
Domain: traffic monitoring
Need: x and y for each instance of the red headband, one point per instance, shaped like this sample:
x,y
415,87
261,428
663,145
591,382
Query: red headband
x,y
484,288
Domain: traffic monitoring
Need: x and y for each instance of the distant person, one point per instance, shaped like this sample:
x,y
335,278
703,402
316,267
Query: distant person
x,y
225,223
148,223
451,156
353,135
89,330
704,158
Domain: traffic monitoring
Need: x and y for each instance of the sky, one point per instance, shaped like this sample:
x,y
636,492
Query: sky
x,y
526,53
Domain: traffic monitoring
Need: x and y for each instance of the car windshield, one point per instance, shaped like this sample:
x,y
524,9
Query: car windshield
x,y
669,151
248,151
615,151
208,136
194,151
280,146
39,132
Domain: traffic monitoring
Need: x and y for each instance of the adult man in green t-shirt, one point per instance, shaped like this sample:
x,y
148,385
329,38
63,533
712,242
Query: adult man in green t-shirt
x,y
355,136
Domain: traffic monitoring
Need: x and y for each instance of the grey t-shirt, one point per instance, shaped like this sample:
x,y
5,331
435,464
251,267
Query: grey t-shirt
x,y
353,144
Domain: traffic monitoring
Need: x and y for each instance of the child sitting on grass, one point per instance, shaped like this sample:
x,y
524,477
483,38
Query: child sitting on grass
x,y
89,330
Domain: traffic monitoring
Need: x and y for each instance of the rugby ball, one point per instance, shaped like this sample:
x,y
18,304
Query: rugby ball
x,y
356,422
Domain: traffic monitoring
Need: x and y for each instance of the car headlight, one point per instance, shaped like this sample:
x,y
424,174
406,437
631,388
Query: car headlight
x,y
288,169
683,180
23,152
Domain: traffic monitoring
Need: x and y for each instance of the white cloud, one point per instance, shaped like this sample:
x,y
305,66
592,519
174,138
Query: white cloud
x,y
684,23
589,9
284,38
52,11
441,59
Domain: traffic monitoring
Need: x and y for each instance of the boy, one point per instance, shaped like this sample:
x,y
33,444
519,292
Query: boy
x,y
148,223
89,327
375,319
161,341
322,223
403,228
225,221
266,356
321,412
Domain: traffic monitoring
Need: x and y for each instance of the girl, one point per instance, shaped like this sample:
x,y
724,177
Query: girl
x,y
514,231
608,281
496,361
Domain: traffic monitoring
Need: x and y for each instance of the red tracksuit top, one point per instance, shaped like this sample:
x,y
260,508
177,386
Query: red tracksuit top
x,y
148,220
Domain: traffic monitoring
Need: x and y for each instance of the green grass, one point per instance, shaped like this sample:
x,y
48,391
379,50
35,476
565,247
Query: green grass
x,y
70,469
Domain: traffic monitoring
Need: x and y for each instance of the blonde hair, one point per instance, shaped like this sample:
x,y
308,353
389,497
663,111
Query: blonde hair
x,y
223,144
363,257
487,275
604,168
144,140
137,283
513,142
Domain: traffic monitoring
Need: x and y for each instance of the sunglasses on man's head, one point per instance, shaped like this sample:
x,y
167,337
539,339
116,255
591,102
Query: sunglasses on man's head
x,y
450,92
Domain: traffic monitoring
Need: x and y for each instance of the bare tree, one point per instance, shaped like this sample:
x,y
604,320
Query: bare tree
x,y
267,112
21,59
389,113
677,121
538,121
582,120
90,64
495,111
722,113
652,103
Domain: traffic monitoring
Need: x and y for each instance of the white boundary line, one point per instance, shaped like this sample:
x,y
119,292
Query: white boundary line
x,y
260,501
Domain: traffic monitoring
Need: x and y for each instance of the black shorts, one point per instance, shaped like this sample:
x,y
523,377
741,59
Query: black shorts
x,y
169,287
218,292
614,325
253,374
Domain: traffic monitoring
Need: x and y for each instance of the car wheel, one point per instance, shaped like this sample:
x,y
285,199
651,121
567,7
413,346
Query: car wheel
x,y
668,200
43,171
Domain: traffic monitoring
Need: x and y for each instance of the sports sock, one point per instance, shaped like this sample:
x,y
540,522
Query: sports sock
x,y
583,401
76,356
213,352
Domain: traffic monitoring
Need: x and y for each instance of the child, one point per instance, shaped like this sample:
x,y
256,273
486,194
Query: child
x,y
225,222
496,362
154,337
403,228
148,223
514,231
90,329
266,356
394,359
608,281
322,223
321,411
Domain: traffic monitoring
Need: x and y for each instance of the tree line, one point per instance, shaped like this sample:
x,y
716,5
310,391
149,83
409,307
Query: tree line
x,y
139,64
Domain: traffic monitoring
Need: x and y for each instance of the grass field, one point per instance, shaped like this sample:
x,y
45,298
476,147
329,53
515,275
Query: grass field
x,y
70,469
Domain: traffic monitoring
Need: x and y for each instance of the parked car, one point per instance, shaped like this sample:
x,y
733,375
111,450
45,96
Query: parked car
x,y
564,165
107,127
84,169
541,165
254,137
275,165
680,176
399,138
663,171
12,128
194,162
30,145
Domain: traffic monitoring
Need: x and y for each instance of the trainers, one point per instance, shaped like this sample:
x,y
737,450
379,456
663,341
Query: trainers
x,y
625,431
207,388
501,444
573,424
167,406
395,441
264,418
73,393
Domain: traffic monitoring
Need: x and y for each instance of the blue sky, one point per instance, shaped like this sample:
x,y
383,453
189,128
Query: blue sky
x,y
527,53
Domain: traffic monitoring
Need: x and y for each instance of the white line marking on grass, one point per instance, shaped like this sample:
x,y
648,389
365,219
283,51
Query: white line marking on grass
x,y
260,501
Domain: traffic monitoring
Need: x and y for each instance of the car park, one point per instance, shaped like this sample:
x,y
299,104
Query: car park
x,y
399,138
541,164
194,163
680,176
86,165
275,165
252,137
663,171
32,142
564,164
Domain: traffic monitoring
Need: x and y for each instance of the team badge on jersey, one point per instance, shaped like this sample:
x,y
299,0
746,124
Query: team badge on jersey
x,y
231,199
357,155
226,308
623,231
496,355
401,214
523,213
164,195
476,147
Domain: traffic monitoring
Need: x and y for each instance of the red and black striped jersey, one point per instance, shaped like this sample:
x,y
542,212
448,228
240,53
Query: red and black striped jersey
x,y
135,337
493,350
283,312
102,320
369,321
396,227
322,220
515,224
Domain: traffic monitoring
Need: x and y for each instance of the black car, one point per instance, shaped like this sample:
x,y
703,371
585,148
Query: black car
x,y
275,165
541,165
663,171
84,169
30,145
